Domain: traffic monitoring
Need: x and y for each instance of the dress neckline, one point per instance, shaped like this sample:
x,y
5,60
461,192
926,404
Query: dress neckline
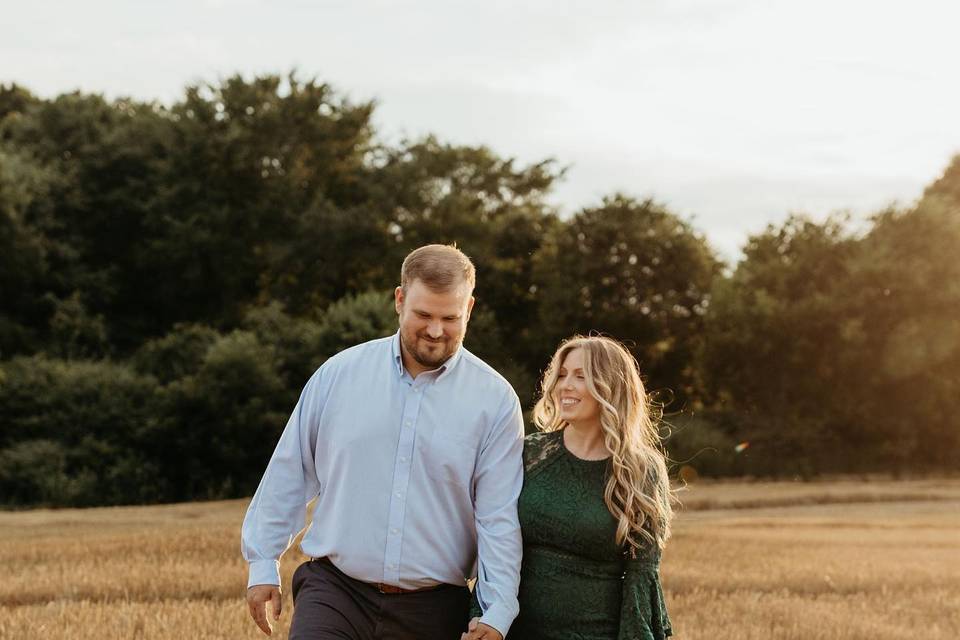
x,y
571,454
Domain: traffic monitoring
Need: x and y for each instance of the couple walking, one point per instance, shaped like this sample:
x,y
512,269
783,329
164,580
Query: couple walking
x,y
414,450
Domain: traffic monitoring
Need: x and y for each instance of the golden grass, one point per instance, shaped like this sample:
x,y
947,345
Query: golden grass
x,y
849,560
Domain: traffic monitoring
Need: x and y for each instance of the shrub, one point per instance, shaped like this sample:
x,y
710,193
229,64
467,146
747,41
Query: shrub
x,y
696,442
355,319
177,354
75,432
218,425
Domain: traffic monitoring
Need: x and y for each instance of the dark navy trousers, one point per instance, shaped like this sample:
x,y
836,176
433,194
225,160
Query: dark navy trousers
x,y
328,604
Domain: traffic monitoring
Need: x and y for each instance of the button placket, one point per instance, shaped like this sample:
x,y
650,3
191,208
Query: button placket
x,y
401,480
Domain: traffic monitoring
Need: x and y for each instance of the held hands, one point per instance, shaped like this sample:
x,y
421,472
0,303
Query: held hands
x,y
258,598
476,630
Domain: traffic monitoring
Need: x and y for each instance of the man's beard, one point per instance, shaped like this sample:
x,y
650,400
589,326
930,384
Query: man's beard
x,y
426,358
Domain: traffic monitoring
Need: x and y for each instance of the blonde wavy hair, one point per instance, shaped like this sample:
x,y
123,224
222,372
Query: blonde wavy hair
x,y
638,490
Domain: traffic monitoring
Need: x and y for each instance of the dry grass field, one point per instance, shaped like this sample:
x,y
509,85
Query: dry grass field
x,y
841,560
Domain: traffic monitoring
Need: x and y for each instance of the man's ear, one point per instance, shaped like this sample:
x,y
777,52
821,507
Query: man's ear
x,y
470,307
398,299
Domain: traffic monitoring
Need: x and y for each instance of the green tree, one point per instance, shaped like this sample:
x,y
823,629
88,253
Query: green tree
x,y
252,164
190,213
14,100
24,271
636,272
775,330
947,186
493,209
903,329
261,168
107,162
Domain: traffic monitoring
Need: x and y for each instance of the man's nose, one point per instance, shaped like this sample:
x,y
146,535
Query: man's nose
x,y
434,330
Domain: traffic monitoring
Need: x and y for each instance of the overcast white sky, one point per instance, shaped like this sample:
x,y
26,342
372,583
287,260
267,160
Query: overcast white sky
x,y
732,113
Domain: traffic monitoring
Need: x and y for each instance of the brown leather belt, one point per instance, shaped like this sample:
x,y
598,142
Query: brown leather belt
x,y
380,586
389,588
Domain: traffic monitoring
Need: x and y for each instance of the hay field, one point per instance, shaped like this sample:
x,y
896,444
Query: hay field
x,y
834,561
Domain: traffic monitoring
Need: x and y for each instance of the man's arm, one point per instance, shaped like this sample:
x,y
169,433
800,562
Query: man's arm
x,y
497,482
278,509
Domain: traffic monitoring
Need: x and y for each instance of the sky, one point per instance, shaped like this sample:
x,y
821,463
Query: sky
x,y
732,114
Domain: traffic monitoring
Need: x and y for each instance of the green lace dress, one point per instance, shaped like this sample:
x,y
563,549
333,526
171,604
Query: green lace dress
x,y
576,583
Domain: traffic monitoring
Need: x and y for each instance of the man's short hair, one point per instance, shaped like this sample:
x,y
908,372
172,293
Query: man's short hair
x,y
441,267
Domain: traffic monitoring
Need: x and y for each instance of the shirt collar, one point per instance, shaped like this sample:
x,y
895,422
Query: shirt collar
x,y
444,369
395,352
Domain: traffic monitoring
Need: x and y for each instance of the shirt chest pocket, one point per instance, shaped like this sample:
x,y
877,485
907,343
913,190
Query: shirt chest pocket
x,y
450,458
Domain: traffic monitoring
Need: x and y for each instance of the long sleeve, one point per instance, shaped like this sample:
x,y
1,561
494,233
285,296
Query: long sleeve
x,y
497,483
278,509
643,611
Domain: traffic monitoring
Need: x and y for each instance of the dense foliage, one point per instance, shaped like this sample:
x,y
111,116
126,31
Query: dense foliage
x,y
170,276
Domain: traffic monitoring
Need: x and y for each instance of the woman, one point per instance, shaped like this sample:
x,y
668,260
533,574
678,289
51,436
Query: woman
x,y
595,507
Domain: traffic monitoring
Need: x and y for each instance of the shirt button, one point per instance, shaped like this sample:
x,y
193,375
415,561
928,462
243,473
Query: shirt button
x,y
393,566
399,494
403,458
408,423
394,531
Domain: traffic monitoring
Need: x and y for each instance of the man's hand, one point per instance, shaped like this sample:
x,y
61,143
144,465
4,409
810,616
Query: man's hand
x,y
476,630
258,596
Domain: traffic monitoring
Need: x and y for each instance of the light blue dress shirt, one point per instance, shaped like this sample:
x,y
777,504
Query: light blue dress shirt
x,y
416,480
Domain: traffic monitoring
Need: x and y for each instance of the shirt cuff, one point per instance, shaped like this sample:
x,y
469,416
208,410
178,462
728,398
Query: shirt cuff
x,y
499,617
264,571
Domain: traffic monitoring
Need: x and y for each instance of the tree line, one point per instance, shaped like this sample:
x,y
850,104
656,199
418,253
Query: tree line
x,y
170,275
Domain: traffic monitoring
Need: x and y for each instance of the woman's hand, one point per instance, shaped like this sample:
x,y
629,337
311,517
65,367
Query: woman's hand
x,y
476,630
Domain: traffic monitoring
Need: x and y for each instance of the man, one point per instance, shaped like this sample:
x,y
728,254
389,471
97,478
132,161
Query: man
x,y
412,447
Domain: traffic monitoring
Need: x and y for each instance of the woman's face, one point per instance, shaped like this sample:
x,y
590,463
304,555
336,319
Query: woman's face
x,y
577,406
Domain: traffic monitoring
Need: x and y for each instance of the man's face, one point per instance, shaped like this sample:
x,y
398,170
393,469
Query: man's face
x,y
432,325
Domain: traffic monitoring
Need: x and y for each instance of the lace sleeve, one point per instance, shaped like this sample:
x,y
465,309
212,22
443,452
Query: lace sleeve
x,y
539,450
643,611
